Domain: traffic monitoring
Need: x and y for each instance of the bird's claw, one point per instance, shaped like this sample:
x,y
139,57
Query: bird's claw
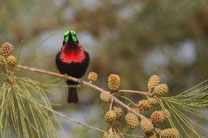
x,y
80,81
66,77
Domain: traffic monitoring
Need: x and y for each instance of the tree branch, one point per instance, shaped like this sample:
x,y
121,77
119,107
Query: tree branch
x,y
84,83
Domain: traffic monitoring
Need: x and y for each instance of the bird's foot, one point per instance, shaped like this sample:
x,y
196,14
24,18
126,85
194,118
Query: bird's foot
x,y
79,81
66,77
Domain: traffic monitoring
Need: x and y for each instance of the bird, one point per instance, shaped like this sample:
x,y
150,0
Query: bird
x,y
72,60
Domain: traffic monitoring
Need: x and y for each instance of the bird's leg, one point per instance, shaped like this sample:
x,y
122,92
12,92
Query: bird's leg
x,y
66,77
80,81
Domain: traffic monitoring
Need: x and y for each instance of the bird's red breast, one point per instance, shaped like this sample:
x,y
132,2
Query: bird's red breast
x,y
72,53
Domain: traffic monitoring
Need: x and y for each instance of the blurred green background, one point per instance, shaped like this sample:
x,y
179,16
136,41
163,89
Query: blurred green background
x,y
132,38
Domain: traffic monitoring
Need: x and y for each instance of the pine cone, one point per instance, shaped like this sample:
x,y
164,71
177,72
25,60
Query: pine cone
x,y
157,117
119,113
110,116
153,81
113,82
161,89
132,120
166,114
6,49
147,125
144,105
169,133
12,62
153,101
105,96
92,76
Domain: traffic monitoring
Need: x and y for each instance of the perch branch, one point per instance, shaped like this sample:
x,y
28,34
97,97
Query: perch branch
x,y
85,83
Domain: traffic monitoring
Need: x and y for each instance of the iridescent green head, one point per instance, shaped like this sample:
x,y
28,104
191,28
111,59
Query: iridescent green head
x,y
70,36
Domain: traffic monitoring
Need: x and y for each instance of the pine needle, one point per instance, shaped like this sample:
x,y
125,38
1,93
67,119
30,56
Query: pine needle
x,y
28,119
190,104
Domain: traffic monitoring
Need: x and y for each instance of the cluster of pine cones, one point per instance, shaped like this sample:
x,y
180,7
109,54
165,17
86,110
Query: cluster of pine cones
x,y
7,61
148,125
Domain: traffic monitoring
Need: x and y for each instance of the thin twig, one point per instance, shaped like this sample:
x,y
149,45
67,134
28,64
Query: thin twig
x,y
59,114
111,104
134,92
70,119
127,107
158,130
129,100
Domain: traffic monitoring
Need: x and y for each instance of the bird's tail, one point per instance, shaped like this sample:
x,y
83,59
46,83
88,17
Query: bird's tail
x,y
72,97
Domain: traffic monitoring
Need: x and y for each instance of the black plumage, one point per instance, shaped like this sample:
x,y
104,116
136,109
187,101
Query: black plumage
x,y
73,61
